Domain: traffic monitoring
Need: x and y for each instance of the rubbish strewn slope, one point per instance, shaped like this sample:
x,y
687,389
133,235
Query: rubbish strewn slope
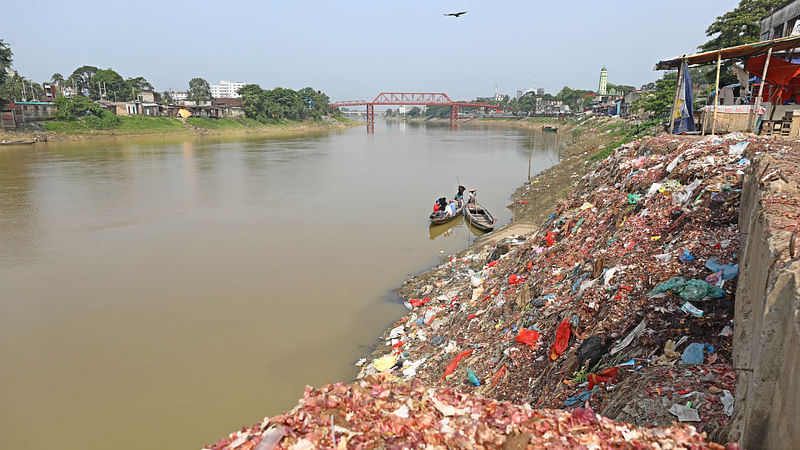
x,y
624,298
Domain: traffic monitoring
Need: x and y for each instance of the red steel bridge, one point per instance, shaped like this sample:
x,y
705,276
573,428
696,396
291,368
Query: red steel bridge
x,y
413,98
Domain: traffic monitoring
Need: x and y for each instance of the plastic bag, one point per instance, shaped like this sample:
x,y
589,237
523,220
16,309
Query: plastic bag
x,y
697,290
729,271
525,336
695,353
562,339
454,363
674,284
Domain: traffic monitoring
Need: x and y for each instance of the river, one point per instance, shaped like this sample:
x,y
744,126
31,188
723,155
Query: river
x,y
160,294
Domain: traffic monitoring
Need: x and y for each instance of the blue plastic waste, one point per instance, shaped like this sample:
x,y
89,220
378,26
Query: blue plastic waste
x,y
473,378
582,397
694,353
729,271
686,256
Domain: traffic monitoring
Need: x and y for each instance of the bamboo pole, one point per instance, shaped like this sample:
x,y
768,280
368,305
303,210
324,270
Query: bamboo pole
x,y
716,95
675,100
757,103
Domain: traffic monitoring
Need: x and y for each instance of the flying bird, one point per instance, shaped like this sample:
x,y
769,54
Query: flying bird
x,y
458,14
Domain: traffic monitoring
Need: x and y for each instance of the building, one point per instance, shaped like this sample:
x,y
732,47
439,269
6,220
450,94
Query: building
x,y
178,96
21,112
522,92
540,92
782,22
146,97
226,89
603,88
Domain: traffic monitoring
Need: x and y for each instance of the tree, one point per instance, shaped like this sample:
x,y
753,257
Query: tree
x,y
740,26
57,79
573,97
199,90
621,89
111,83
414,112
389,112
139,84
6,82
6,58
82,78
76,107
437,111
658,102
316,101
526,104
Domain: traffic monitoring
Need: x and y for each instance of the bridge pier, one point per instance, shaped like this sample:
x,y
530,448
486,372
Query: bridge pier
x,y
453,113
370,113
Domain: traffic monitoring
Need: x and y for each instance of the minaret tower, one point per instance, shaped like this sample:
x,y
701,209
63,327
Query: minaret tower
x,y
603,90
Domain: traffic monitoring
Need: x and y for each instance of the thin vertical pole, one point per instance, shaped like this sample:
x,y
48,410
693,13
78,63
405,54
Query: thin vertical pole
x,y
757,104
716,95
530,157
675,100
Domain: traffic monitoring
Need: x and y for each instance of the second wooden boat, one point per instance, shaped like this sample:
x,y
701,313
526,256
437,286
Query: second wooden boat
x,y
479,217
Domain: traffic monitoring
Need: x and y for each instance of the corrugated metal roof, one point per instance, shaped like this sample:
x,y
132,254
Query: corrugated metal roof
x,y
739,51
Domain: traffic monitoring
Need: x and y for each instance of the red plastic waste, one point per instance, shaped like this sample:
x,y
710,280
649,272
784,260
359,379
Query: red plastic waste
x,y
454,363
602,376
415,302
530,337
562,339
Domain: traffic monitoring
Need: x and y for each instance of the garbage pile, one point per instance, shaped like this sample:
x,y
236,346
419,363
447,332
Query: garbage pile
x,y
385,412
623,299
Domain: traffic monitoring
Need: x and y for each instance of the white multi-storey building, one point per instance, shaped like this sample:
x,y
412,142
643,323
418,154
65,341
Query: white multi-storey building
x,y
522,92
226,89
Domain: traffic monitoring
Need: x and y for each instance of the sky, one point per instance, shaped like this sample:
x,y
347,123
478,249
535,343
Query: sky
x,y
353,50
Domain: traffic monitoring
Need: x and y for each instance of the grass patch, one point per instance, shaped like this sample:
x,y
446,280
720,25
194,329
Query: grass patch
x,y
136,124
625,134
221,124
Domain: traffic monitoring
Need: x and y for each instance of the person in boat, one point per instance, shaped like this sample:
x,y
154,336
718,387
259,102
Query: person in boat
x,y
472,196
460,194
451,208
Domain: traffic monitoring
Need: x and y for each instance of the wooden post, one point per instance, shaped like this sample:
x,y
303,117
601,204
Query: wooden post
x,y
716,95
757,104
675,100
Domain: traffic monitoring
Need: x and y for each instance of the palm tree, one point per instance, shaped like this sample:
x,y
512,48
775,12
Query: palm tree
x,y
57,78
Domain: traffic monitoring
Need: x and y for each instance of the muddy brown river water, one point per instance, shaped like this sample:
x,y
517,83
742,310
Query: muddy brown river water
x,y
160,294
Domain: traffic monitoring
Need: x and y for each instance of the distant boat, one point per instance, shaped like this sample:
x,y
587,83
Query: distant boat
x,y
549,128
439,217
479,217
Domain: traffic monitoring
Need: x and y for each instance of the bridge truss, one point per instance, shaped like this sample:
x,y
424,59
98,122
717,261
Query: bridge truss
x,y
412,98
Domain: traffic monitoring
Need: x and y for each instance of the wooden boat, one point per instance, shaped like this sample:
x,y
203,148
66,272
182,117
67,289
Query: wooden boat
x,y
479,217
549,128
439,217
17,142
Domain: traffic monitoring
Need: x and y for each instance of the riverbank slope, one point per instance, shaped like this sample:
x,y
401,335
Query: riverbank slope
x,y
140,126
622,300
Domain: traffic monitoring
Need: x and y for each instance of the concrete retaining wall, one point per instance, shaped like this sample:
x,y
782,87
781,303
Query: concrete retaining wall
x,y
766,343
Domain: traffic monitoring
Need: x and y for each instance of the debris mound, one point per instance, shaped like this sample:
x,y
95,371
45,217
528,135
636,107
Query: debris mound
x,y
384,412
629,283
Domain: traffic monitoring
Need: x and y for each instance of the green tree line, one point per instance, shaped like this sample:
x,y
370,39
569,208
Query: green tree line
x,y
282,103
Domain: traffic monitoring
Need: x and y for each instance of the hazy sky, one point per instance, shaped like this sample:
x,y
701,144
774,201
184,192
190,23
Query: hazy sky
x,y
356,49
